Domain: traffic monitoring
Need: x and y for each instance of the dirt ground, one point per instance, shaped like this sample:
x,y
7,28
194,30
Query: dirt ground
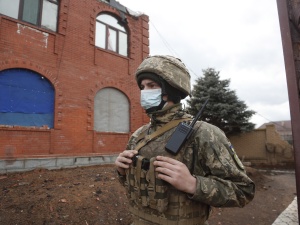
x,y
93,196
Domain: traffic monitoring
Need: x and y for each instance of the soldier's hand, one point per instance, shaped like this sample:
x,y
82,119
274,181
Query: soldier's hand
x,y
124,159
176,173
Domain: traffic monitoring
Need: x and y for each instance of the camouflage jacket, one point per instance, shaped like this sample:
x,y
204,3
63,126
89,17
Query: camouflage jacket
x,y
208,154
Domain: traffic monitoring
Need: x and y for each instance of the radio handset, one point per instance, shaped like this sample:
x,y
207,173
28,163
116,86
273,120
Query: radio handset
x,y
182,132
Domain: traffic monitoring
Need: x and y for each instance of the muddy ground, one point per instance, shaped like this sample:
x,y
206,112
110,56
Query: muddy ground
x,y
93,196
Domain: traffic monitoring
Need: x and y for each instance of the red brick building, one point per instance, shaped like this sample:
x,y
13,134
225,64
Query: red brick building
x,y
67,84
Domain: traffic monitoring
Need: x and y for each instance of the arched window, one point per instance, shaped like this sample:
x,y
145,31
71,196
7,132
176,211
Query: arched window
x,y
26,98
111,111
42,13
111,35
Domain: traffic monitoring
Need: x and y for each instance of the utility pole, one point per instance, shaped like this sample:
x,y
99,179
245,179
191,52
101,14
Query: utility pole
x,y
289,20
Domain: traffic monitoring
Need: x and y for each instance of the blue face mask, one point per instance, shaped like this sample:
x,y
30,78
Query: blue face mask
x,y
150,98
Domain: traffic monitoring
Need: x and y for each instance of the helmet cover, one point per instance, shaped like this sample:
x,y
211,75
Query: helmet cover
x,y
171,69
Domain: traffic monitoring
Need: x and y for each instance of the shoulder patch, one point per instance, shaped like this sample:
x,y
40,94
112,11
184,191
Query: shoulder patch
x,y
236,158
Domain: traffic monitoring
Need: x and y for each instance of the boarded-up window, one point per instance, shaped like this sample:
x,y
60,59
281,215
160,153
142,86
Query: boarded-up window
x,y
111,111
26,98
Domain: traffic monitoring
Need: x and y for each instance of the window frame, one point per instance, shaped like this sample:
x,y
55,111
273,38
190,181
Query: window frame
x,y
39,14
107,27
110,27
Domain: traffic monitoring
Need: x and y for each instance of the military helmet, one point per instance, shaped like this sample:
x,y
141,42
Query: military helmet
x,y
171,69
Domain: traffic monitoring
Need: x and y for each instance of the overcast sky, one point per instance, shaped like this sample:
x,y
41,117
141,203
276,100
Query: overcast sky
x,y
239,38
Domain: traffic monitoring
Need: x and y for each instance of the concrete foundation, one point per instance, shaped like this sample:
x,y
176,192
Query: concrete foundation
x,y
27,164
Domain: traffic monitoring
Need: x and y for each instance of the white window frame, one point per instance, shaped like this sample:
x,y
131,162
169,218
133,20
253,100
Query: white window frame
x,y
106,25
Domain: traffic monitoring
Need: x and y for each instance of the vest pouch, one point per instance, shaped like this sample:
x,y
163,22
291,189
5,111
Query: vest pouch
x,y
137,183
141,184
157,189
130,182
161,194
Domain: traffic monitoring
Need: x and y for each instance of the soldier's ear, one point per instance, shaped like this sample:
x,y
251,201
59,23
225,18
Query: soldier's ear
x,y
165,98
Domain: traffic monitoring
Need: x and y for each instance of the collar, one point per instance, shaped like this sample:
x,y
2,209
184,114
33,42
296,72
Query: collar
x,y
167,114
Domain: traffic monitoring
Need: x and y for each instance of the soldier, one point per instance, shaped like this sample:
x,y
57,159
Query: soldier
x,y
166,188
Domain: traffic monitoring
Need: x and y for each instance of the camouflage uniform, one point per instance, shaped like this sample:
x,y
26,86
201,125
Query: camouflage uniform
x,y
208,154
221,178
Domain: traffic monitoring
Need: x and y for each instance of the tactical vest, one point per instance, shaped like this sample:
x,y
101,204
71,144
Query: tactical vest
x,y
154,201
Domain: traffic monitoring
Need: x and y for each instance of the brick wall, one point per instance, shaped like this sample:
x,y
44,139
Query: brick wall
x,y
77,69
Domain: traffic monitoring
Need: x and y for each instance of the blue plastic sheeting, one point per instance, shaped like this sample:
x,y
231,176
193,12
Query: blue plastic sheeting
x,y
25,92
22,119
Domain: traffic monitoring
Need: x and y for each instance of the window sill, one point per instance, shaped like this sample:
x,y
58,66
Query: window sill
x,y
22,128
110,52
29,24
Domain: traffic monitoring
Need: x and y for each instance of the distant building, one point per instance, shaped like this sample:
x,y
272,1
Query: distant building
x,y
284,128
263,146
67,85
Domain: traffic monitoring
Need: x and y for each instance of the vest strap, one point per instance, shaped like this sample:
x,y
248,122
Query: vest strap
x,y
157,133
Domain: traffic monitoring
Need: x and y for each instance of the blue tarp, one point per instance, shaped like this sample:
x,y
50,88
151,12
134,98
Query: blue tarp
x,y
26,98
22,119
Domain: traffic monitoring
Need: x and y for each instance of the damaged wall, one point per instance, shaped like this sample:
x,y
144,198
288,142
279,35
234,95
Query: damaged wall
x,y
263,146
